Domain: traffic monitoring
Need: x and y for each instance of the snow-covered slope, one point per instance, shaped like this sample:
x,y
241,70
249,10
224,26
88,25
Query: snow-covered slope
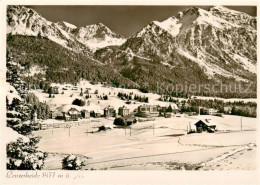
x,y
221,41
171,25
215,45
236,17
66,26
97,36
25,21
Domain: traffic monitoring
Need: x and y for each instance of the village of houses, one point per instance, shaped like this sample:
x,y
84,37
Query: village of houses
x,y
156,134
142,112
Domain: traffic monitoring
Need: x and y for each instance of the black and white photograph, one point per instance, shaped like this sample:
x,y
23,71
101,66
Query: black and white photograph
x,y
130,87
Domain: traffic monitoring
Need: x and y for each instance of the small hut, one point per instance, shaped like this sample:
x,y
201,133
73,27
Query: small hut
x,y
205,126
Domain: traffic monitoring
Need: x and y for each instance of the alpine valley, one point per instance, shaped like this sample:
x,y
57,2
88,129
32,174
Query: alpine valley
x,y
179,94
196,46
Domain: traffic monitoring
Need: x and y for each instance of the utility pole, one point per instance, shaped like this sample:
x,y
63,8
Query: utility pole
x,y
223,107
153,129
241,122
130,131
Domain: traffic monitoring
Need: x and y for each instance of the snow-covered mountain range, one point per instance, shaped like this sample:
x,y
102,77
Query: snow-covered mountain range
x,y
25,21
222,41
212,45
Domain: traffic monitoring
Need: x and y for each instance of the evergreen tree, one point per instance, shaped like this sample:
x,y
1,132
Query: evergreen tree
x,y
169,109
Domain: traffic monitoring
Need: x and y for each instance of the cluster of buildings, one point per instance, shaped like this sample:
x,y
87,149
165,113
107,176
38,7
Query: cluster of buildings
x,y
71,115
155,111
205,110
249,109
148,110
142,111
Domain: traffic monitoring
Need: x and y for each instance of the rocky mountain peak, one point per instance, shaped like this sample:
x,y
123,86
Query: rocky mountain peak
x,y
66,26
25,21
233,16
217,40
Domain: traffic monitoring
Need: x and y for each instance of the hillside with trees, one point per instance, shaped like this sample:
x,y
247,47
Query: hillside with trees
x,y
60,65
23,154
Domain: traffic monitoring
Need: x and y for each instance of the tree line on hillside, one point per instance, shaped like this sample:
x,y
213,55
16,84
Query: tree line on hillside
x,y
240,108
62,66
152,76
126,96
23,154
41,108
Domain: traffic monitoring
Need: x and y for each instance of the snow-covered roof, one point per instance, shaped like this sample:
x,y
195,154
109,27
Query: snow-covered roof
x,y
98,111
73,109
123,107
109,107
130,119
208,122
66,108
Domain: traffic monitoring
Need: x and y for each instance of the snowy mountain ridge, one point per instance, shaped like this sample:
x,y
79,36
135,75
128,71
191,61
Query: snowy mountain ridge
x,y
25,21
222,41
212,46
97,36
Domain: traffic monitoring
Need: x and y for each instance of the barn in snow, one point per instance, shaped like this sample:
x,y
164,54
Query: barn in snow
x,y
205,125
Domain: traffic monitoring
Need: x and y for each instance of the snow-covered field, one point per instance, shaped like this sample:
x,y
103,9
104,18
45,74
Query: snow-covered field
x,y
162,143
159,144
63,102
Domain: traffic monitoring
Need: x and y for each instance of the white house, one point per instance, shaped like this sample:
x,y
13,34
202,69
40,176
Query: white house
x,y
210,111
